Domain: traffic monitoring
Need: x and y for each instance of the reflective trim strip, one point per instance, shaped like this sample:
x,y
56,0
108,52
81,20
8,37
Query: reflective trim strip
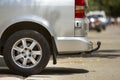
x,y
79,7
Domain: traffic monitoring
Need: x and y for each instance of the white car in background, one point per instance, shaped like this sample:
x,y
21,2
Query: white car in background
x,y
100,15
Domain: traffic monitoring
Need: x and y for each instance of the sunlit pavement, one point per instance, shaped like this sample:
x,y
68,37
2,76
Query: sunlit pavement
x,y
102,65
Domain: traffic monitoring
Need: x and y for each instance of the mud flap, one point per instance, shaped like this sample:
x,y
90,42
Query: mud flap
x,y
55,52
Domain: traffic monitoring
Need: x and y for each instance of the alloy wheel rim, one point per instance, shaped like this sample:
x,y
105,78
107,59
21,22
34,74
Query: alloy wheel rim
x,y
26,53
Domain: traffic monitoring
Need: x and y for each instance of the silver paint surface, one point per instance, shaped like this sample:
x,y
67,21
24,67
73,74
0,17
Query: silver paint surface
x,y
57,16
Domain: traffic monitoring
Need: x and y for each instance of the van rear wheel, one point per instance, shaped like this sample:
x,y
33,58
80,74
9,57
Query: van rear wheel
x,y
26,52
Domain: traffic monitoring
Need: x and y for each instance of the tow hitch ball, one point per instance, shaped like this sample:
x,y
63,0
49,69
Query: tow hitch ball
x,y
95,49
98,46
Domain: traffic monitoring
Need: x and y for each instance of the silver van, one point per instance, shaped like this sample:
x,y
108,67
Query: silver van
x,y
31,30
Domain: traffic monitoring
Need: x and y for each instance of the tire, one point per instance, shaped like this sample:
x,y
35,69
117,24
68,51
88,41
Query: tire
x,y
98,28
103,27
26,52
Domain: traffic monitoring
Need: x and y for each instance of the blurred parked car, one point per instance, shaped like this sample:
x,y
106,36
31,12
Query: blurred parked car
x,y
94,23
97,20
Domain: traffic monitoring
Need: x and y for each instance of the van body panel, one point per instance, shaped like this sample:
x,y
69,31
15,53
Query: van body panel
x,y
57,16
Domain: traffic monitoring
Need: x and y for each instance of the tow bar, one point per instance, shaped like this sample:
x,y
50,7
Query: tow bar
x,y
98,46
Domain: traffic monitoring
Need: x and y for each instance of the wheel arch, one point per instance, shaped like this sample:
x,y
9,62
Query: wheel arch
x,y
24,25
29,22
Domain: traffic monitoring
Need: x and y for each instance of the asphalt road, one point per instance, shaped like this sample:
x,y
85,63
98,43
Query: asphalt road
x,y
102,65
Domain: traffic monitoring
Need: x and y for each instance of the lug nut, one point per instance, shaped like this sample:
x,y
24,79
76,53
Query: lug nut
x,y
25,48
30,50
25,56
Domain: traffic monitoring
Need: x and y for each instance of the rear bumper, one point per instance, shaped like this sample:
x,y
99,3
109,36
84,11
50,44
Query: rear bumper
x,y
73,44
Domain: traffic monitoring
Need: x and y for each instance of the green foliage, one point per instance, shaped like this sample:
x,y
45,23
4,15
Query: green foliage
x,y
111,7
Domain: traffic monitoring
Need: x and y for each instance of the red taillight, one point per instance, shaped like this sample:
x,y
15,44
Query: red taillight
x,y
79,3
79,13
79,9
